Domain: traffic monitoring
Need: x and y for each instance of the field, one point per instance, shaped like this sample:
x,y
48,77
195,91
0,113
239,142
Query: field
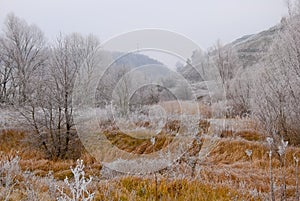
x,y
236,167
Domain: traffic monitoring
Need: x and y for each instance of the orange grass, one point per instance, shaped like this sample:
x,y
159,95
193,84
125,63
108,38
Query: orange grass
x,y
227,173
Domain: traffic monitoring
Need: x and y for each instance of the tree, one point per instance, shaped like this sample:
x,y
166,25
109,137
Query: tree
x,y
276,104
226,63
121,91
48,108
240,92
6,75
68,55
183,91
23,54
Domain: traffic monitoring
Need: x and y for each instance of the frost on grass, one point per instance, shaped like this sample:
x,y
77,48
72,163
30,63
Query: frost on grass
x,y
9,169
78,187
282,148
136,166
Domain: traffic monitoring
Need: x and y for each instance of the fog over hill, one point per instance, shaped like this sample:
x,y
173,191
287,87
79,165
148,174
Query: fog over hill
x,y
251,48
133,59
245,52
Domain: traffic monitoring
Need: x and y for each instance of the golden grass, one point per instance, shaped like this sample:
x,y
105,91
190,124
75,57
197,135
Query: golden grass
x,y
11,139
226,174
187,107
230,164
136,145
133,188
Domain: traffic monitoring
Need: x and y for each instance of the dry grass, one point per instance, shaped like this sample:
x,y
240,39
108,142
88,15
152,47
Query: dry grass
x,y
136,145
187,107
133,188
249,135
226,174
15,142
230,164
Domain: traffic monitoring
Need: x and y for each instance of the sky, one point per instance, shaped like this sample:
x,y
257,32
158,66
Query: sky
x,y
203,21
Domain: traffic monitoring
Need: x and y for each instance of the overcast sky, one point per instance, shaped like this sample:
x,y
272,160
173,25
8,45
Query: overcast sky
x,y
203,21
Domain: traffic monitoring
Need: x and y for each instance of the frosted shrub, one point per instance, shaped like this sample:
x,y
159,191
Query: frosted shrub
x,y
9,169
270,143
282,148
30,181
249,153
78,188
282,153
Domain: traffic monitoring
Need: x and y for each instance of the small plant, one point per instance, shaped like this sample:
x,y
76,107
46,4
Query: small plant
x,y
296,175
152,140
249,153
78,187
282,154
51,182
31,189
270,142
9,169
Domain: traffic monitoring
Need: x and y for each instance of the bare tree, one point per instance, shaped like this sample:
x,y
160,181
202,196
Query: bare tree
x,y
22,47
226,62
121,91
240,92
68,55
201,61
48,106
276,99
6,75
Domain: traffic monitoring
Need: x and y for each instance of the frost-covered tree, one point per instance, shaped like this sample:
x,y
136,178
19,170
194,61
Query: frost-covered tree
x,y
277,89
67,55
226,64
48,109
240,92
6,75
121,91
23,56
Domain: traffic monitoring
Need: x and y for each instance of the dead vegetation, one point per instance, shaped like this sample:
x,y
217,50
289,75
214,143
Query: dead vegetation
x,y
227,173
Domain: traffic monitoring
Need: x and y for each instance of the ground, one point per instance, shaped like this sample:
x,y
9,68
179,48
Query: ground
x,y
226,172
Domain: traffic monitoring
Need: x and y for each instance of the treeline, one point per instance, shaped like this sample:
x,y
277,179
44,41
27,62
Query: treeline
x,y
268,89
37,78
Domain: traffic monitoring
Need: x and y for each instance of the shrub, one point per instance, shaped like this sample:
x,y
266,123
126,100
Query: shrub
x,y
77,188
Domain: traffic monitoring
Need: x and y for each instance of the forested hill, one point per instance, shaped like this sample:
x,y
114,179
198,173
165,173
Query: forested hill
x,y
251,48
244,52
133,59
